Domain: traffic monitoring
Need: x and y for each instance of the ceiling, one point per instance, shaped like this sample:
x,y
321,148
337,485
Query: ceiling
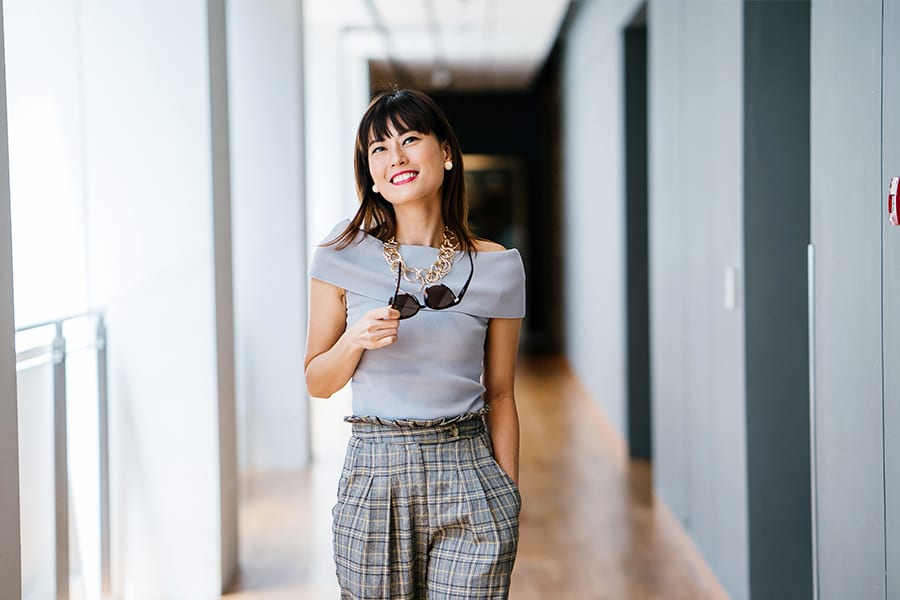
x,y
446,44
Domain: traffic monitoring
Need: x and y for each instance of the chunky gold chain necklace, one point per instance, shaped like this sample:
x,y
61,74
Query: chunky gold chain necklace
x,y
438,270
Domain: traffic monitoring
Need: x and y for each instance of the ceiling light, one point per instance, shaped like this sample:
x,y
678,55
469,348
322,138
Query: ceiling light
x,y
441,77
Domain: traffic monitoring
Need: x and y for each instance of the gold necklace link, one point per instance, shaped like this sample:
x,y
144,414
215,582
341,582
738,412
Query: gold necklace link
x,y
441,267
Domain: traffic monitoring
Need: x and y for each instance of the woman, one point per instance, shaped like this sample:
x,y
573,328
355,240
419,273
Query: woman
x,y
424,319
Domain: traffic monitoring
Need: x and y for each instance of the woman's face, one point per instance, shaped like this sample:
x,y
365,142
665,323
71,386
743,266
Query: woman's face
x,y
408,167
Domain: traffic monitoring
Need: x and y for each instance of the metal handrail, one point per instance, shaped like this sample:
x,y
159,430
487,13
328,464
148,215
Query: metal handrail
x,y
56,353
81,315
41,355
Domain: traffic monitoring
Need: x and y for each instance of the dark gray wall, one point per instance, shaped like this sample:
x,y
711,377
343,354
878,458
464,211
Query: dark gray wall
x,y
776,234
890,74
638,294
846,226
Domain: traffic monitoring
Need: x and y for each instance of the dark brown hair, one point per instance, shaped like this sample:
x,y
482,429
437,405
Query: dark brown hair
x,y
406,110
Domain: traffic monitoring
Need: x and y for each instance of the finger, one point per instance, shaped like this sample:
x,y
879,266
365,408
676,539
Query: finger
x,y
390,325
388,313
381,328
387,331
379,342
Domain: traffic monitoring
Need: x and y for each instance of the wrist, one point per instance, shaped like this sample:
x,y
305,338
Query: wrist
x,y
349,342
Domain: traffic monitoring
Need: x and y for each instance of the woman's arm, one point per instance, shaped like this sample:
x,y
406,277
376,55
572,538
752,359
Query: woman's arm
x,y
333,350
499,379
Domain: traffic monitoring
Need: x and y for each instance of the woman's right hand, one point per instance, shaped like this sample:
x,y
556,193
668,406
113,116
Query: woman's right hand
x,y
333,349
376,329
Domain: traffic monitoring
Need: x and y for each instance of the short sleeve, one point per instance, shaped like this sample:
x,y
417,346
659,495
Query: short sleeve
x,y
498,287
512,302
359,268
326,263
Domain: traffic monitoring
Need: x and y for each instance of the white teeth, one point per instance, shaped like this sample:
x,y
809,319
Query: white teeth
x,y
403,177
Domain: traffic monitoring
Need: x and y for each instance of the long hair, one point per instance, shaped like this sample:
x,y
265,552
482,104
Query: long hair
x,y
406,110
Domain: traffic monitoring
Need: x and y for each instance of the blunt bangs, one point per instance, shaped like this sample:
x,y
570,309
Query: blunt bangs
x,y
402,110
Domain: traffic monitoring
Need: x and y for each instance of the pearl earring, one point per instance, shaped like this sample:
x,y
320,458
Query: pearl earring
x,y
448,165
375,188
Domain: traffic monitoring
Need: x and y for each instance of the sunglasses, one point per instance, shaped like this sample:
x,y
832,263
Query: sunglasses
x,y
437,297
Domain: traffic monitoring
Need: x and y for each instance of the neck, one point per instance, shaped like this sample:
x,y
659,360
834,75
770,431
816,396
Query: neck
x,y
419,227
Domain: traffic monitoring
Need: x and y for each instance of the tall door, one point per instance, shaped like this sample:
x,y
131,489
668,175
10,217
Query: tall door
x,y
847,226
891,293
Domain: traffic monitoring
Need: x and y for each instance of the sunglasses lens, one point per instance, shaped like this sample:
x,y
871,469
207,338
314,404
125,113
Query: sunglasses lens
x,y
439,296
406,304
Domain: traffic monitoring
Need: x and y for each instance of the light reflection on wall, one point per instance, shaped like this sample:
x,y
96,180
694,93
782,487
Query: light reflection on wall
x,y
50,281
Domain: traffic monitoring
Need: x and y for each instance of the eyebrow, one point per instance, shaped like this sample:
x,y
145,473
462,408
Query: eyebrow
x,y
378,140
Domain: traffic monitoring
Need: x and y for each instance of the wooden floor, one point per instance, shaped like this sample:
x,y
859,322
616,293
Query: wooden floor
x,y
590,527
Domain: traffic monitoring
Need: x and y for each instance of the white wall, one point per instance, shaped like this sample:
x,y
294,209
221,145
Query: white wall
x,y
696,234
134,157
46,174
46,144
338,82
151,259
10,578
265,62
593,210
853,154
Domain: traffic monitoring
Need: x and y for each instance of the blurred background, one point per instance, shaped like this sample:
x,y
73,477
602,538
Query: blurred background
x,y
698,191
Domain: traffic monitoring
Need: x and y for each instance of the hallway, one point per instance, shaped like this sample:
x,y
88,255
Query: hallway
x,y
589,526
697,189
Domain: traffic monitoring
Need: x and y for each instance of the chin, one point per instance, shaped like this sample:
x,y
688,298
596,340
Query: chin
x,y
407,201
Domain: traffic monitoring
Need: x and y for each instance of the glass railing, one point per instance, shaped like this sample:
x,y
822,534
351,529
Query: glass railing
x,y
64,458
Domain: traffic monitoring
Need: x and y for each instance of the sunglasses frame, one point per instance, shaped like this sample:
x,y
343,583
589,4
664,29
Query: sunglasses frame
x,y
392,302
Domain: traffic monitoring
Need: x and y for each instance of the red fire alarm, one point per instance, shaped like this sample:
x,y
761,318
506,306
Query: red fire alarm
x,y
892,201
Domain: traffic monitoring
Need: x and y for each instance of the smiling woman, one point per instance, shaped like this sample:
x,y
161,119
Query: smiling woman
x,y
408,166
404,137
428,500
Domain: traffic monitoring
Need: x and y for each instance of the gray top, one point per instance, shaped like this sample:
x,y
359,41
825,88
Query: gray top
x,y
434,368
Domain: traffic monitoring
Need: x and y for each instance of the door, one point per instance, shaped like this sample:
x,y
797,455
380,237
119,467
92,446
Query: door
x,y
847,223
891,293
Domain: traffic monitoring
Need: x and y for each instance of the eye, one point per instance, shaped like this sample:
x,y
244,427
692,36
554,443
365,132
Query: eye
x,y
376,149
409,139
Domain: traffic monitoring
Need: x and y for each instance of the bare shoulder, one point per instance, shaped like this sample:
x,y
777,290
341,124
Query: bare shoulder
x,y
488,246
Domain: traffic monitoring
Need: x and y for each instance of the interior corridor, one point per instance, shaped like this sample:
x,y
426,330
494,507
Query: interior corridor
x,y
590,528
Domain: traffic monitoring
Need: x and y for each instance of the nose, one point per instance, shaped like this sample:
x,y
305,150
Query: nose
x,y
398,157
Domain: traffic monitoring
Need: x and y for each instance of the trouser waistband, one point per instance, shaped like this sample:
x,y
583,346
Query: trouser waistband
x,y
393,434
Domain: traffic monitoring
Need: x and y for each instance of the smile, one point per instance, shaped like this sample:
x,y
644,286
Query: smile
x,y
404,177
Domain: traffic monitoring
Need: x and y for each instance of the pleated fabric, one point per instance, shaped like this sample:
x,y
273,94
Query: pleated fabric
x,y
424,512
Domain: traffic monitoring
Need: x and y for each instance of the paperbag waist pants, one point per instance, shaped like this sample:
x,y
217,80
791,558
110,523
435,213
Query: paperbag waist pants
x,y
424,511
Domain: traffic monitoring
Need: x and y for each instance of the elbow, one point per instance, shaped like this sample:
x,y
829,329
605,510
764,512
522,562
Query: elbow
x,y
498,398
317,389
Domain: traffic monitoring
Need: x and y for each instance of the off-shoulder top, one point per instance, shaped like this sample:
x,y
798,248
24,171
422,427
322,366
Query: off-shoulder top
x,y
434,369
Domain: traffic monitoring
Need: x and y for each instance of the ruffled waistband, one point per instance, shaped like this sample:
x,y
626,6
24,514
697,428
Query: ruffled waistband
x,y
372,420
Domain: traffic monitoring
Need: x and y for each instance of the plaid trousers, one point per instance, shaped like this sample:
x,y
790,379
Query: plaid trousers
x,y
424,512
